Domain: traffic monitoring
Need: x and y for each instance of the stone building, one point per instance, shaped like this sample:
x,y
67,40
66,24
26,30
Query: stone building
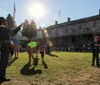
x,y
74,35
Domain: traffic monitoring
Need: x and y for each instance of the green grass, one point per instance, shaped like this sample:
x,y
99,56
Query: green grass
x,y
70,68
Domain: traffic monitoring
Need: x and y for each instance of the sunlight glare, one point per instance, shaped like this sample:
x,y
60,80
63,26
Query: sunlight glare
x,y
36,10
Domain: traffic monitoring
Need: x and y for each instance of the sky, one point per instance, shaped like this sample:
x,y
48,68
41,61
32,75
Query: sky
x,y
52,10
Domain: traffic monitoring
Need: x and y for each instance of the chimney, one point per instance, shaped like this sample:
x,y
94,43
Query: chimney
x,y
99,11
56,22
68,19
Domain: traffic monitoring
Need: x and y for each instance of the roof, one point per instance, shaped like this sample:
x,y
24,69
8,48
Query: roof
x,y
82,20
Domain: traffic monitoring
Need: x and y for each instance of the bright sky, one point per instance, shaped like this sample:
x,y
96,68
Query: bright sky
x,y
45,12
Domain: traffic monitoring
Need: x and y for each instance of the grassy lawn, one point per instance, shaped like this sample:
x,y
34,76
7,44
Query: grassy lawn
x,y
69,68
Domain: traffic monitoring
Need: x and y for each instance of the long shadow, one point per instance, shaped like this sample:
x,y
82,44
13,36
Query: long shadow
x,y
11,61
26,70
53,55
45,65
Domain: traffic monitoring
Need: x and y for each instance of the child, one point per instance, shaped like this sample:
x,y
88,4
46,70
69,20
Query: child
x,y
16,42
30,52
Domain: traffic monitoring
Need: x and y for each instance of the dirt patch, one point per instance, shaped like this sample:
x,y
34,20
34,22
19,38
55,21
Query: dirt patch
x,y
83,77
15,82
89,76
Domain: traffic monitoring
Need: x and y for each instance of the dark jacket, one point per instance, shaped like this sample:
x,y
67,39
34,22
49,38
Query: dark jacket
x,y
14,31
6,33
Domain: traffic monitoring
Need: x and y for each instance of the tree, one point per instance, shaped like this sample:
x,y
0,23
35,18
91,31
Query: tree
x,y
10,22
26,22
29,30
34,28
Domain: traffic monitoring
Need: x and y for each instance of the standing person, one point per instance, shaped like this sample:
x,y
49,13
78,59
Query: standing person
x,y
16,42
54,46
47,47
95,50
5,47
4,44
42,52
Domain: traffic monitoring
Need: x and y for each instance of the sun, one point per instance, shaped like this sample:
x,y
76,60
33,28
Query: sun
x,y
36,10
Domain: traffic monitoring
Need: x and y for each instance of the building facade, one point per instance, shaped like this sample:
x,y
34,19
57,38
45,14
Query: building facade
x,y
74,35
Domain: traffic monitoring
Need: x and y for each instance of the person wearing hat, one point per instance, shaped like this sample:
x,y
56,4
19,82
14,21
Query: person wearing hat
x,y
95,50
5,35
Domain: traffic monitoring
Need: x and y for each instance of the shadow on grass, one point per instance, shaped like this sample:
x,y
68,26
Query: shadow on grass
x,y
35,63
11,61
26,70
45,65
53,55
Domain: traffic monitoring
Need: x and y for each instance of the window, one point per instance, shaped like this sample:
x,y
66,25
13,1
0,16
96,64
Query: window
x,y
66,30
94,24
87,28
73,30
80,27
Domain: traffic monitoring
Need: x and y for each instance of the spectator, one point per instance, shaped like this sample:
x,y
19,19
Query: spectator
x,y
95,50
16,42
